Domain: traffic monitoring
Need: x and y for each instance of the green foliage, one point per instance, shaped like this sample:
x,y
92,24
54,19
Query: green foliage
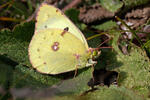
x,y
147,46
133,69
130,4
73,16
116,5
105,26
112,93
77,85
28,77
111,5
5,72
133,3
105,93
14,44
89,2
20,9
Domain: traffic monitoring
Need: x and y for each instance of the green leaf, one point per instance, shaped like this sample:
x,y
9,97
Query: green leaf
x,y
111,5
134,68
28,77
147,46
41,84
73,15
133,3
111,93
20,9
105,93
14,44
76,85
130,4
105,26
6,74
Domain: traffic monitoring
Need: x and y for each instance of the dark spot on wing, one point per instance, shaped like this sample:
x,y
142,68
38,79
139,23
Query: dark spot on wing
x,y
45,26
55,46
52,33
44,63
65,30
38,49
48,15
77,56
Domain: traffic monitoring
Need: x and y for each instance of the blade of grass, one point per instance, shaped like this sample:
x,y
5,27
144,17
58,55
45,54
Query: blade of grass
x,y
4,5
94,36
30,6
131,30
147,43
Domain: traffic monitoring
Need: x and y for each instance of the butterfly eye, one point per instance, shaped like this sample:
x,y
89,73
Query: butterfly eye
x,y
94,53
45,26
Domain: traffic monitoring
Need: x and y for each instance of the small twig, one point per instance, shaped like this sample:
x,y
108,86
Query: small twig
x,y
10,19
72,4
33,15
104,47
4,5
105,41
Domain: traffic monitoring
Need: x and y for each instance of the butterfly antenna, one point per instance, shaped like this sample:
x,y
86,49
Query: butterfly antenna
x,y
109,38
99,46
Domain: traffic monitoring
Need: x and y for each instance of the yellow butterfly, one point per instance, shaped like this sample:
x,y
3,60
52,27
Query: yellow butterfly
x,y
57,45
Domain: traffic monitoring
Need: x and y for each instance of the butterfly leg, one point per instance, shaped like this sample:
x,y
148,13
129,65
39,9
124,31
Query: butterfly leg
x,y
77,56
93,78
76,70
93,73
91,62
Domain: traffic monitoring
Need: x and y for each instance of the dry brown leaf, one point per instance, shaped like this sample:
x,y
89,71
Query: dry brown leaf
x,y
94,13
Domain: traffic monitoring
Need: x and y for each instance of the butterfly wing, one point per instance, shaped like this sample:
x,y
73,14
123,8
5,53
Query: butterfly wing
x,y
53,53
49,16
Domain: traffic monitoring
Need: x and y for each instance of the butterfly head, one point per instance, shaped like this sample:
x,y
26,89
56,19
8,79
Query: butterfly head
x,y
94,53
